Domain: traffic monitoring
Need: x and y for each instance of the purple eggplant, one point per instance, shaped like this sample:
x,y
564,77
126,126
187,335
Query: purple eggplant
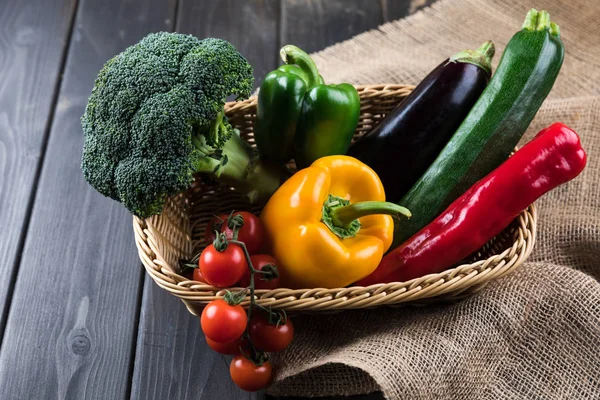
x,y
410,137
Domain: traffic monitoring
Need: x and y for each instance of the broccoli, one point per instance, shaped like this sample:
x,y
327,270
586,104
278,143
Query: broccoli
x,y
155,118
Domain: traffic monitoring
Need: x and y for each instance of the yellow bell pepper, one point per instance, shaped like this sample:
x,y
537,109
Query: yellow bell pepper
x,y
329,225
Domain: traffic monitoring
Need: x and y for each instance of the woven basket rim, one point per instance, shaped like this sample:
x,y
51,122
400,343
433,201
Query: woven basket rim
x,y
453,283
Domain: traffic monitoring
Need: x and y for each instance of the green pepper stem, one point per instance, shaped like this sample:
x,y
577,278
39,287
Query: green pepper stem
x,y
291,54
344,216
482,57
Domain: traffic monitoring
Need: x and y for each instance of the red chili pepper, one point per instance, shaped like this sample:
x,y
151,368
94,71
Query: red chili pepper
x,y
552,158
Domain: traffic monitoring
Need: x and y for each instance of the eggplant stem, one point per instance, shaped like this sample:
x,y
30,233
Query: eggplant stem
x,y
482,57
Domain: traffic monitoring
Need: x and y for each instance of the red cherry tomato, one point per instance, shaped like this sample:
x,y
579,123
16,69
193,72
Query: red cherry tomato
x,y
223,323
252,233
225,348
223,268
216,224
197,275
250,377
258,262
270,337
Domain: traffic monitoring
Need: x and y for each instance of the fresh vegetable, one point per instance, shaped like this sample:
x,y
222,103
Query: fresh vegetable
x,y
270,336
525,75
249,376
267,276
247,225
197,275
251,230
227,327
223,323
226,348
552,158
413,134
222,264
278,110
155,118
329,113
298,115
328,225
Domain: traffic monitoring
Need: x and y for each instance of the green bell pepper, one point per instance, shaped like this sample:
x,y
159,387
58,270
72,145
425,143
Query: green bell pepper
x,y
299,116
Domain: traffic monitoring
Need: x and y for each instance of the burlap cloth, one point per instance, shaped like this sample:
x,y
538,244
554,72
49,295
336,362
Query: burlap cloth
x,y
533,334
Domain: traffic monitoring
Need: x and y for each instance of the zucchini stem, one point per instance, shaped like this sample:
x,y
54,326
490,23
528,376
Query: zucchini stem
x,y
554,29
540,20
543,21
531,20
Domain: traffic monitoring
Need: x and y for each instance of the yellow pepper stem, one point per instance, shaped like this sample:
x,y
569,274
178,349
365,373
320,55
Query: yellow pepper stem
x,y
344,215
341,217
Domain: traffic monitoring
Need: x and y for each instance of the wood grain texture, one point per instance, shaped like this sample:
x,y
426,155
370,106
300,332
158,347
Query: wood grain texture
x,y
396,9
173,360
73,317
251,26
32,40
315,24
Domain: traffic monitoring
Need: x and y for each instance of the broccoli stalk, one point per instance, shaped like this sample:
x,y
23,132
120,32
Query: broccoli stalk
x,y
238,164
155,118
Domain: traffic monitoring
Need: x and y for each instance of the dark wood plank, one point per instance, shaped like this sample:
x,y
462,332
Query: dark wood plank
x,y
315,24
71,327
32,41
172,359
396,9
251,26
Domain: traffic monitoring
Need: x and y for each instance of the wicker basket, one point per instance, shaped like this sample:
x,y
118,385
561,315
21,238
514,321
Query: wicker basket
x,y
163,240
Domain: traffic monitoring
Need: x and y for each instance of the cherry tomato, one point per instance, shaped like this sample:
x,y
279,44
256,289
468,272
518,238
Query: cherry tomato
x,y
270,337
223,268
197,275
250,377
252,233
223,323
258,262
216,224
226,348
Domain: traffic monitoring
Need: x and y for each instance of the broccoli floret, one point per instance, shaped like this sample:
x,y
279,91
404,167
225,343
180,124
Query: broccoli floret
x,y
155,118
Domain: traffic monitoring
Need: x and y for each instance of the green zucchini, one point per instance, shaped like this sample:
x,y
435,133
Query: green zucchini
x,y
493,127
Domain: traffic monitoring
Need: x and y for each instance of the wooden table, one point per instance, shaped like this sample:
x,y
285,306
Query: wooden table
x,y
79,318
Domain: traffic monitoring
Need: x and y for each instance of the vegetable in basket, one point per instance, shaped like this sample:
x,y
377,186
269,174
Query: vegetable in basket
x,y
328,225
155,118
250,229
299,116
553,157
526,73
229,329
412,135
